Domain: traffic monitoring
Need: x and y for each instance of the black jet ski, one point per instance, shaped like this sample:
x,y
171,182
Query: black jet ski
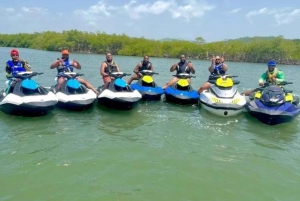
x,y
147,87
26,98
74,95
119,95
182,92
272,104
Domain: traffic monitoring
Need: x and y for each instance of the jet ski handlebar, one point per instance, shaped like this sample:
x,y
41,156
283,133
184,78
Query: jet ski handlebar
x,y
148,72
184,76
118,74
27,74
278,83
71,74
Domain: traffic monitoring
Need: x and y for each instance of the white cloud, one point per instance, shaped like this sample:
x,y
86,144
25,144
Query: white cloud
x,y
235,10
189,9
10,10
192,9
286,18
282,16
95,12
34,10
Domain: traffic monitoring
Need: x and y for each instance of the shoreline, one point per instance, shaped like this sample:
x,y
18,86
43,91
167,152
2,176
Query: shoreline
x,y
228,59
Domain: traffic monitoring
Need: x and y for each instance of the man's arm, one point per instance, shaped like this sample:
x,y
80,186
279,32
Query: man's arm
x,y
262,78
173,67
55,64
212,65
280,76
76,64
224,67
191,67
136,68
102,68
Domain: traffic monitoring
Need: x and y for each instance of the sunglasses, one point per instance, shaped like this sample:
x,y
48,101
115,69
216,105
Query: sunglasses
x,y
14,55
218,59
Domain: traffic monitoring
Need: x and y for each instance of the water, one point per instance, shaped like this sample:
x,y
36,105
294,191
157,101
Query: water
x,y
157,151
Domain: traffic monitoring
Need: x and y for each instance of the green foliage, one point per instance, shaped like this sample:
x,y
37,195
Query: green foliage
x,y
256,49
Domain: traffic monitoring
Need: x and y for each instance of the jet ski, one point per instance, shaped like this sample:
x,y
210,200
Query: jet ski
x,y
223,98
147,87
74,95
119,95
272,104
181,92
26,98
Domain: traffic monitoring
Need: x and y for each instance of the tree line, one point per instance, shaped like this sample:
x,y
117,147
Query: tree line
x,y
256,50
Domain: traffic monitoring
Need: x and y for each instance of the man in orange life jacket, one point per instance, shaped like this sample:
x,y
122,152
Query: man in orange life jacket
x,y
15,66
68,67
143,65
181,67
107,67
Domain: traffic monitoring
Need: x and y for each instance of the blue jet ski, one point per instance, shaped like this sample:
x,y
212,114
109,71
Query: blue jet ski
x,y
119,95
182,92
147,87
272,104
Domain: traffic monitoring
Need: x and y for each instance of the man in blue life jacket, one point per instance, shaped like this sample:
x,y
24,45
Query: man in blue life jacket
x,y
271,75
15,66
143,65
181,67
65,65
217,67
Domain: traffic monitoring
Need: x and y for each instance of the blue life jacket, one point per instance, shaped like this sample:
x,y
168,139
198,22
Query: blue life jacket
x,y
66,67
15,69
218,70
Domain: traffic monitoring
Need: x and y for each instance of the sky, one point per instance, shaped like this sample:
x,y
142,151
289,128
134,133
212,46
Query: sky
x,y
213,20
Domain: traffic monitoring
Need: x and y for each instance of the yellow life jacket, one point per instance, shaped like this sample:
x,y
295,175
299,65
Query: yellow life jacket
x,y
270,76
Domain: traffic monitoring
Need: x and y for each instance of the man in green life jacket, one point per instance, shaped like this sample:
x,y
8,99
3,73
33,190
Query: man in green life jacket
x,y
272,75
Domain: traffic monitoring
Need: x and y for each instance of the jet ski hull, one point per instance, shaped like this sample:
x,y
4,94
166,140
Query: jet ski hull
x,y
273,115
148,93
224,107
35,105
181,97
119,100
76,100
224,110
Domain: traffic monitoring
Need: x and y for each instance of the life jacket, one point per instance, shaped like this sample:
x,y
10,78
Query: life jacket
x,y
146,66
15,68
66,67
218,70
270,75
111,67
183,68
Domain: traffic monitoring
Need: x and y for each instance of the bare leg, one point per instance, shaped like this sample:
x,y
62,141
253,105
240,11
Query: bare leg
x,y
133,77
205,86
171,82
60,81
87,84
247,93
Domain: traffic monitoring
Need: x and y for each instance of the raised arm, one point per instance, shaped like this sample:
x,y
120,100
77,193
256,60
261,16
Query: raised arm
x,y
173,67
136,69
212,65
191,67
76,64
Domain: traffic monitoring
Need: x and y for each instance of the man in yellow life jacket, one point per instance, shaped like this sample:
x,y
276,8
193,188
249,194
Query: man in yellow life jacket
x,y
272,74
